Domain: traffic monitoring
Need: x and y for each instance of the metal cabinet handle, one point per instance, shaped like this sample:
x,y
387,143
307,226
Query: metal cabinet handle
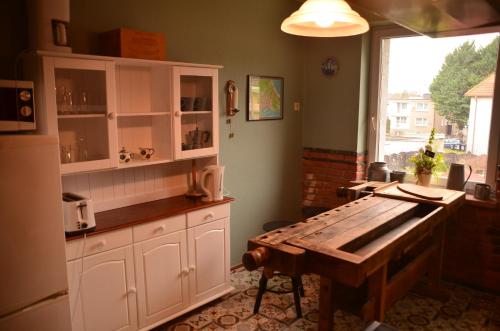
x,y
185,272
210,215
192,268
131,291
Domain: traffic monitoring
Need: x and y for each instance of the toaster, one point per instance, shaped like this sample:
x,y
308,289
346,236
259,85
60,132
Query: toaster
x,y
78,214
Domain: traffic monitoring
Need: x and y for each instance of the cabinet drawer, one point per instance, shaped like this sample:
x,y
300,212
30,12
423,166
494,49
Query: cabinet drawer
x,y
158,228
207,215
99,243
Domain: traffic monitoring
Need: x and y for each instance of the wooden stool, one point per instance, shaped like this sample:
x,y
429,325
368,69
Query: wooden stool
x,y
297,287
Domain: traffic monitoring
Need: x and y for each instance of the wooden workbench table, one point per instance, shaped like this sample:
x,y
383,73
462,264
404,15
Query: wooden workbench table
x,y
353,245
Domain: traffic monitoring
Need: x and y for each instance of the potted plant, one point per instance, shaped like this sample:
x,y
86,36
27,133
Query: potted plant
x,y
426,162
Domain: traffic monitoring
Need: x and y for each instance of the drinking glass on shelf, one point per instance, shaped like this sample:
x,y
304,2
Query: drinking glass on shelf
x,y
82,150
61,99
84,102
69,101
66,154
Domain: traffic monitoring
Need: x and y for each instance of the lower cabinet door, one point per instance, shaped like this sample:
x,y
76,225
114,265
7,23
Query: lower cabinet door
x,y
208,256
75,303
162,277
107,291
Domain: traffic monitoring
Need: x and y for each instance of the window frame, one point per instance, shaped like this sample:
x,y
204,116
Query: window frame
x,y
378,34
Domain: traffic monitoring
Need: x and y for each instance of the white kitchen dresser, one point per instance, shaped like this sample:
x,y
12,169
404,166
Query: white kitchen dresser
x,y
147,264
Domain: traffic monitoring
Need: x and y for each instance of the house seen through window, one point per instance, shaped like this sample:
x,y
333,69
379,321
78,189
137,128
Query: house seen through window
x,y
441,83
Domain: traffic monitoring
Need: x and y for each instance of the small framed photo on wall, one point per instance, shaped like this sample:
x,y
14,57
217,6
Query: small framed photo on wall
x,y
265,98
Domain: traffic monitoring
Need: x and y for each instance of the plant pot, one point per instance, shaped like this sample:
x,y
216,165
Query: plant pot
x,y
424,179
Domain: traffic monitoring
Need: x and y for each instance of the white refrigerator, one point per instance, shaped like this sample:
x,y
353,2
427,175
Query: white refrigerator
x,y
33,279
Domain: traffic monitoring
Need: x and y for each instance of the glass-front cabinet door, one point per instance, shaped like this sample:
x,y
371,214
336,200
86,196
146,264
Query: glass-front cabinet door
x,y
195,105
80,98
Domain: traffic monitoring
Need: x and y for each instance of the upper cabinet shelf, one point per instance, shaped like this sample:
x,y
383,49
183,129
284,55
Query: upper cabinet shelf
x,y
158,113
195,112
99,106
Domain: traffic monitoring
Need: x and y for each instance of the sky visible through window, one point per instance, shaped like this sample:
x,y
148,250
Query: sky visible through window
x,y
426,56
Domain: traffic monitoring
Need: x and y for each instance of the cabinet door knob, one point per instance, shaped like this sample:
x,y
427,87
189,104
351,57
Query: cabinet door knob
x,y
192,268
131,291
161,228
178,113
112,116
210,215
185,272
101,244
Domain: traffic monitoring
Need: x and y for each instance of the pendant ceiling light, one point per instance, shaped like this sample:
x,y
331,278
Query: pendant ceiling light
x,y
325,18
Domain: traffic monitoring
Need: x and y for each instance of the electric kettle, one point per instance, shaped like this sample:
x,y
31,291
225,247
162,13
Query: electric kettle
x,y
212,183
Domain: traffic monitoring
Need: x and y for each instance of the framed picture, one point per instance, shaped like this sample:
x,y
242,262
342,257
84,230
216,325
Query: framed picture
x,y
265,98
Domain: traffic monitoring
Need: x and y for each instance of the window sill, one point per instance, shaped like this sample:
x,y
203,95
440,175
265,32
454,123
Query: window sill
x,y
490,204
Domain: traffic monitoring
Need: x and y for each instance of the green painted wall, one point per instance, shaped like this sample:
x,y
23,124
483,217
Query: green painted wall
x,y
264,159
332,103
263,168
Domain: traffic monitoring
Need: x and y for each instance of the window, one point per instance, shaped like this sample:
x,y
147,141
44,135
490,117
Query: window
x,y
421,106
421,121
458,99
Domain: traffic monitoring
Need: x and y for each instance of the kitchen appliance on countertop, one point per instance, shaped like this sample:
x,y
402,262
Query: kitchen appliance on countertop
x,y
456,177
33,281
17,106
212,183
78,214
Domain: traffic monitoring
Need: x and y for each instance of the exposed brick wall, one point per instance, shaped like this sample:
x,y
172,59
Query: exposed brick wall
x,y
472,247
326,170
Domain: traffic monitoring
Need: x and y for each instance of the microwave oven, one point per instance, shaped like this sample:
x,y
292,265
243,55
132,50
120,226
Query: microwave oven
x,y
17,105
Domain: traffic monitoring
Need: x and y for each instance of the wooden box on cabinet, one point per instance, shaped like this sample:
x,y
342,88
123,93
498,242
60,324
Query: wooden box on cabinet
x,y
132,43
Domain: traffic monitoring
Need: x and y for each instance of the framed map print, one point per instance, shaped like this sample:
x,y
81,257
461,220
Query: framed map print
x,y
265,98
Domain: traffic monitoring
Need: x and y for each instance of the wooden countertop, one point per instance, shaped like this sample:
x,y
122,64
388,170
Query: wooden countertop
x,y
146,212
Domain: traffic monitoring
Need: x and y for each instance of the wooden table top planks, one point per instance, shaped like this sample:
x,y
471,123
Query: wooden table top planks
x,y
355,238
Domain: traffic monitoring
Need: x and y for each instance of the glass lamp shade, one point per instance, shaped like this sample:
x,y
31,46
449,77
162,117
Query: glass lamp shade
x,y
325,18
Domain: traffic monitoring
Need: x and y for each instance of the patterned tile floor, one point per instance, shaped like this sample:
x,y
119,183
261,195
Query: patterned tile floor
x,y
466,309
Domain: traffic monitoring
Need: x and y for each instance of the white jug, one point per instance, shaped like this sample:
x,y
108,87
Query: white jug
x,y
212,183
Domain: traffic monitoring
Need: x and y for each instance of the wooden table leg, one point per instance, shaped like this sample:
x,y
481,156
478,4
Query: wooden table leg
x,y
433,287
376,293
326,311
436,267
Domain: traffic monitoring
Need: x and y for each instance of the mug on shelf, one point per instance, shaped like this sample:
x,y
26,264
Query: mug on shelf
x,y
482,191
396,175
125,156
199,103
146,152
186,103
